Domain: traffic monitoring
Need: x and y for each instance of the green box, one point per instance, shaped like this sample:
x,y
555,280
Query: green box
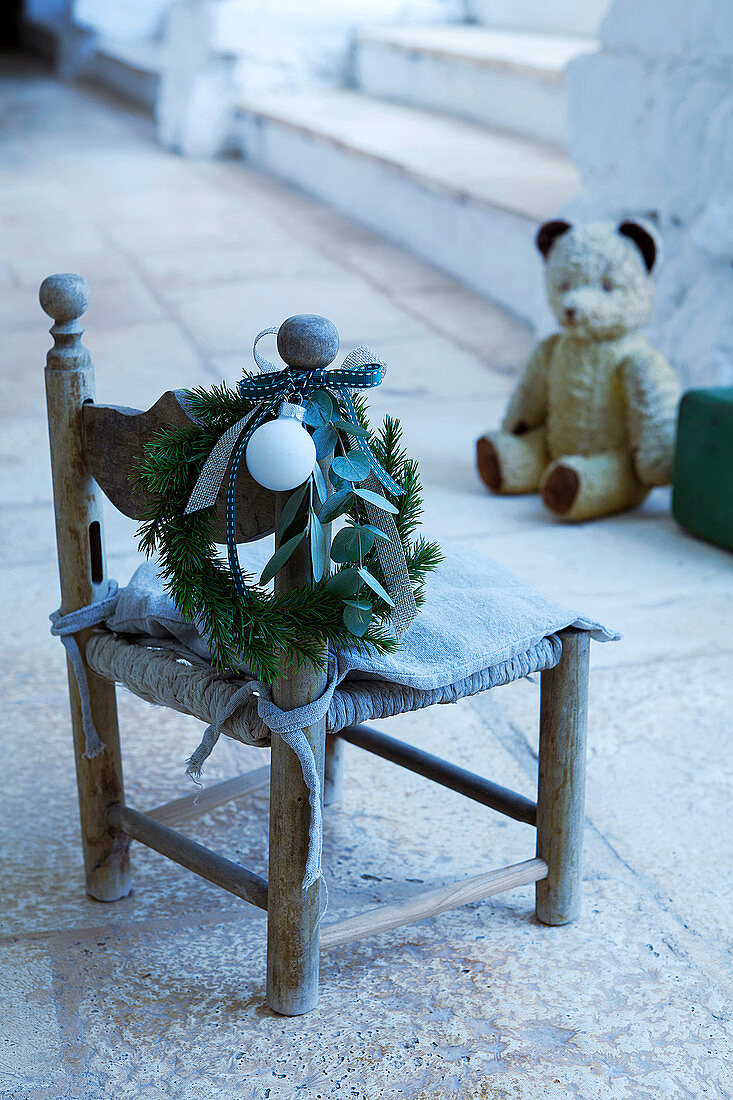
x,y
702,494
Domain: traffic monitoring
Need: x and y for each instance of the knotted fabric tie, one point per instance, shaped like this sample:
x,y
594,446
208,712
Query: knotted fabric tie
x,y
65,627
361,369
290,725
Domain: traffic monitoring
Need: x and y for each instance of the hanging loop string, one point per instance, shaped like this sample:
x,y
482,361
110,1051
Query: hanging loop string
x,y
264,364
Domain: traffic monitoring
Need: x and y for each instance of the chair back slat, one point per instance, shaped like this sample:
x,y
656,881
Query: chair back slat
x,y
114,445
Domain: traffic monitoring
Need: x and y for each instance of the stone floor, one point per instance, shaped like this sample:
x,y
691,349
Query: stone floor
x,y
162,994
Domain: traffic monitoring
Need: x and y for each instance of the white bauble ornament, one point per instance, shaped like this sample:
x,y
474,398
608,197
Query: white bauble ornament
x,y
281,454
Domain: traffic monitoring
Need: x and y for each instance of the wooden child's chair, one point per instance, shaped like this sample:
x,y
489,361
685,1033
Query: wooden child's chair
x,y
95,446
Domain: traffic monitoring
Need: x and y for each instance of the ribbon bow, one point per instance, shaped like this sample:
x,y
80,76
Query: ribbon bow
x,y
361,369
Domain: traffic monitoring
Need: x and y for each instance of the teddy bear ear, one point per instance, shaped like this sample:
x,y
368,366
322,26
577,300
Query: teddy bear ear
x,y
644,238
548,233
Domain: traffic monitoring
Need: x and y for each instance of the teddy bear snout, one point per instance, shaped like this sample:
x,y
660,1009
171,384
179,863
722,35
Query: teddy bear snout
x,y
573,312
579,308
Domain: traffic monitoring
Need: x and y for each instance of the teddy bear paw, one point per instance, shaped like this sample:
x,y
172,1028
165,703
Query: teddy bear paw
x,y
560,488
488,464
580,487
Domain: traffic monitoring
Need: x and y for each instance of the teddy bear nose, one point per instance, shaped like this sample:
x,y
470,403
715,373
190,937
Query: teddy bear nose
x,y
569,313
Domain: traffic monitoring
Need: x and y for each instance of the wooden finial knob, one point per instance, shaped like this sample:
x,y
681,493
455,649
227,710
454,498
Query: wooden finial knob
x,y
308,341
64,297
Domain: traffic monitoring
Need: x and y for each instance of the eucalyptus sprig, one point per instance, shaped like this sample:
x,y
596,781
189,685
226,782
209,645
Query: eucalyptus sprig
x,y
354,546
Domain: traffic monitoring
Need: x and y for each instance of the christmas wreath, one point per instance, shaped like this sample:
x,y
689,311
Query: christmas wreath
x,y
369,482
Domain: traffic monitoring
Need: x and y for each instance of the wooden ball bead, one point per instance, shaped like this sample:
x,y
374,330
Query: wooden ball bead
x,y
308,341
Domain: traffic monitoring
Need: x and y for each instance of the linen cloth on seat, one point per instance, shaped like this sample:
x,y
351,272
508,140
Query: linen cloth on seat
x,y
480,627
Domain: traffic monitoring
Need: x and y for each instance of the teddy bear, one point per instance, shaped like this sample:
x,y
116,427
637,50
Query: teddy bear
x,y
591,423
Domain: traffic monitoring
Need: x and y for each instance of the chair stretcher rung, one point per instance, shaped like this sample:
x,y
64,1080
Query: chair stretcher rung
x,y
440,771
430,902
178,848
193,805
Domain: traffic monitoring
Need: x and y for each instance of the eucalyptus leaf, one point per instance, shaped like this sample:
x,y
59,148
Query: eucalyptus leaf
x,y
290,510
376,499
375,586
345,583
319,410
351,544
336,505
357,616
317,545
325,439
282,555
320,483
351,428
353,466
336,481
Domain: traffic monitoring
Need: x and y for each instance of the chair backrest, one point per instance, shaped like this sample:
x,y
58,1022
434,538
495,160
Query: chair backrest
x,y
103,444
114,444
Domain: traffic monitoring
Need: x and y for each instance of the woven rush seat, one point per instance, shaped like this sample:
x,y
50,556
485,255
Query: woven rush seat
x,y
481,627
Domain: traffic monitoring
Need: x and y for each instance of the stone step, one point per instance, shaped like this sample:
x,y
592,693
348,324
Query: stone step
x,y
541,16
509,80
459,196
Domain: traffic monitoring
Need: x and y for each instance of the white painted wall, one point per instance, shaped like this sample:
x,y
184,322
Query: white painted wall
x,y
284,45
651,132
195,101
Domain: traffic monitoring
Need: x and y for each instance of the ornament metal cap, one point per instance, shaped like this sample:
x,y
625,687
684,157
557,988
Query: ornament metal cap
x,y
288,408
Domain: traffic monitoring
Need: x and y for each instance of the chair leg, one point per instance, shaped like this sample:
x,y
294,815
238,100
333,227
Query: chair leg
x,y
99,784
561,785
83,576
333,780
292,913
